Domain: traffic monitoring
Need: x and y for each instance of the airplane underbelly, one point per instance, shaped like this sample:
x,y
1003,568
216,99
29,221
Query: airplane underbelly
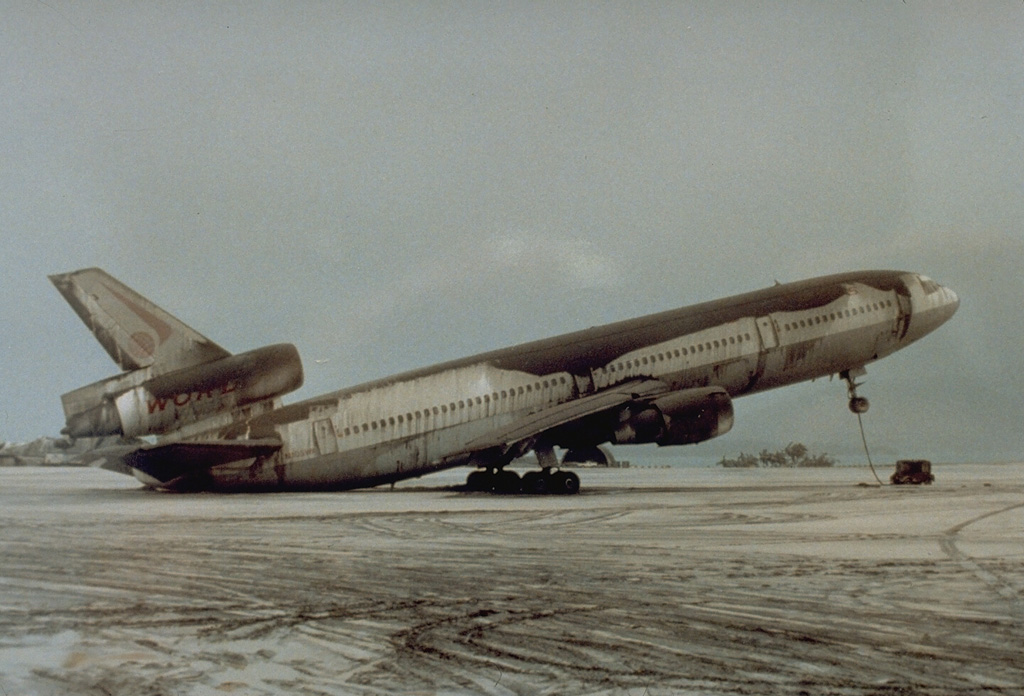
x,y
825,355
371,465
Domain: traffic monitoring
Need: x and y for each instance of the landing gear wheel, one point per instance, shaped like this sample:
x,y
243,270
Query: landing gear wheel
x,y
565,483
480,480
535,482
507,481
859,404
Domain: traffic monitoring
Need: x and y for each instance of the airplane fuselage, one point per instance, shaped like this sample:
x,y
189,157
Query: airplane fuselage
x,y
414,423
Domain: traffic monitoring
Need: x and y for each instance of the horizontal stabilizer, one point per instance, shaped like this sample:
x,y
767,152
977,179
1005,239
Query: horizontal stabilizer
x,y
168,462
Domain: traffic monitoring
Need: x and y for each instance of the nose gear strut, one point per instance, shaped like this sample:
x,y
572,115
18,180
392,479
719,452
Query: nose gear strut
x,y
858,404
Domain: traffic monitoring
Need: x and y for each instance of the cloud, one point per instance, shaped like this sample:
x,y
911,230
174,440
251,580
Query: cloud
x,y
389,187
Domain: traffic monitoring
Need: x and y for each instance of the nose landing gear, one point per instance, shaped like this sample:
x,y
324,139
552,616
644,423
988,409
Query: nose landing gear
x,y
858,404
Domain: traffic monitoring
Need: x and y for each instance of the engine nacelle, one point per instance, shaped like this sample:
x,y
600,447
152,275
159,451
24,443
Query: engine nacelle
x,y
681,418
170,401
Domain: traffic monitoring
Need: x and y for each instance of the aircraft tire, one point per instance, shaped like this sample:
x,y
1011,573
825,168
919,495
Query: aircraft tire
x,y
479,480
859,404
507,481
535,482
565,483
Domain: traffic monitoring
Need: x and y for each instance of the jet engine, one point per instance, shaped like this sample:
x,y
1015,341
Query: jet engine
x,y
681,418
132,405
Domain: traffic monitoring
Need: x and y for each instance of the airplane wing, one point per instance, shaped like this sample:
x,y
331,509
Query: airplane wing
x,y
173,460
547,419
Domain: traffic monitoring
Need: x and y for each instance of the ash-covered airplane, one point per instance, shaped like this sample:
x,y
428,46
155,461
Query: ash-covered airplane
x,y
666,378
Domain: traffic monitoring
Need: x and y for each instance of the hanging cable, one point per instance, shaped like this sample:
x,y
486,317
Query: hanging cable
x,y
867,453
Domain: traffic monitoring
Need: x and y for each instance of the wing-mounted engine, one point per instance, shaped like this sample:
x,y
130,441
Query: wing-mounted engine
x,y
680,418
135,404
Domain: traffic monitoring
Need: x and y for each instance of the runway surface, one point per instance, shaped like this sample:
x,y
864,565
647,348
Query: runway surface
x,y
652,581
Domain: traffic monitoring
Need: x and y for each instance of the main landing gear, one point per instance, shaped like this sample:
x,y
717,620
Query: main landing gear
x,y
547,480
535,482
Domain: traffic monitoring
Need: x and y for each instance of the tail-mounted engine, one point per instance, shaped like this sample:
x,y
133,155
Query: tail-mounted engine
x,y
134,404
682,418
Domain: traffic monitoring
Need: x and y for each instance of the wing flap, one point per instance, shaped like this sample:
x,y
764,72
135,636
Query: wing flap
x,y
549,418
174,460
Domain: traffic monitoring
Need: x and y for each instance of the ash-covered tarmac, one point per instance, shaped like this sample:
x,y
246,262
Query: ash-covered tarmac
x,y
652,581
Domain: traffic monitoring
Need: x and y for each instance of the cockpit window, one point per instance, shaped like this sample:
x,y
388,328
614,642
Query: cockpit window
x,y
929,286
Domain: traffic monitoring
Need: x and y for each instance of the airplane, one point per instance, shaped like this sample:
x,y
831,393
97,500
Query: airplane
x,y
215,421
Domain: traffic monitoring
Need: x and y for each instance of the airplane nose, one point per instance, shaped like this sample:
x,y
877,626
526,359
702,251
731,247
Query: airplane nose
x,y
952,301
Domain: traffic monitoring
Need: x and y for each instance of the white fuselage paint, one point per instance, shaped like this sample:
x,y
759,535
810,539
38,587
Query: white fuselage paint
x,y
411,426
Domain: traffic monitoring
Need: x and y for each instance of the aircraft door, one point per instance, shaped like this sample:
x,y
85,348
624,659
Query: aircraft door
x,y
326,440
766,330
584,384
903,320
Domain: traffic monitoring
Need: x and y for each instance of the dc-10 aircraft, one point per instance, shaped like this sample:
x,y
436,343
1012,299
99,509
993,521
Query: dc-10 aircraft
x,y
670,378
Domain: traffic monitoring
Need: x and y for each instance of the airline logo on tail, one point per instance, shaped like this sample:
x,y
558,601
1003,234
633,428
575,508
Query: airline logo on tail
x,y
144,339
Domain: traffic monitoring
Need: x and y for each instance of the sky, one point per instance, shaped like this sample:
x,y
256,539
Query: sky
x,y
390,185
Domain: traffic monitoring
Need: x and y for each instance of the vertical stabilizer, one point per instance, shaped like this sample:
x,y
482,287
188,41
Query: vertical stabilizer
x,y
136,333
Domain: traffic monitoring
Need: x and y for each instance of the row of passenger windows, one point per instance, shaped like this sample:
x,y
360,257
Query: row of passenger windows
x,y
833,316
455,406
695,349
738,339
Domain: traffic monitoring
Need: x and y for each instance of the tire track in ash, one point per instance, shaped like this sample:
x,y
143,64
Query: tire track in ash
x,y
1001,584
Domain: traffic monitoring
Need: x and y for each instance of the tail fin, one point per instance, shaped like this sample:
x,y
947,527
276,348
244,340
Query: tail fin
x,y
135,332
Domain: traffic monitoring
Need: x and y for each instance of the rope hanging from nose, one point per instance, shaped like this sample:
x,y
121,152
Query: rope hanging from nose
x,y
864,439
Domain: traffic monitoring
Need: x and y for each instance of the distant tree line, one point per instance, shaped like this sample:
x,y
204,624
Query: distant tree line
x,y
794,455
